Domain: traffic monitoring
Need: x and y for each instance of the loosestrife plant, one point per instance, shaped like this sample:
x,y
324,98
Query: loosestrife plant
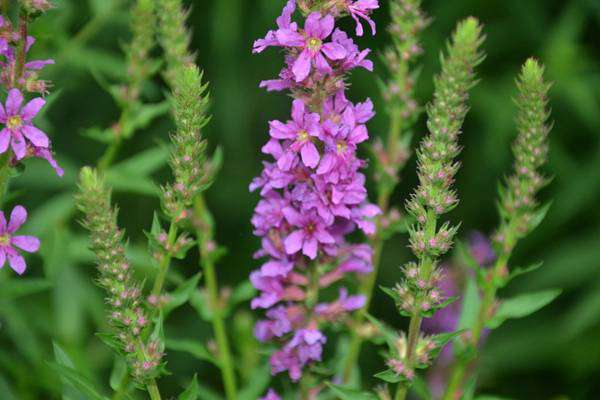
x,y
20,139
321,237
313,192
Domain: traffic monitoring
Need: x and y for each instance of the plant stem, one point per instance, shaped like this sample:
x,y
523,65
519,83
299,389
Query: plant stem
x,y
205,237
426,265
153,390
165,262
5,172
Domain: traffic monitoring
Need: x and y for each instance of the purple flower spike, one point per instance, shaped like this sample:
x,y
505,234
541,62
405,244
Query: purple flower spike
x,y
8,241
18,124
313,193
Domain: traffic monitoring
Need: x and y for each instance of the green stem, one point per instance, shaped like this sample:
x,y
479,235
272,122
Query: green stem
x,y
205,235
426,266
110,154
165,262
5,173
153,390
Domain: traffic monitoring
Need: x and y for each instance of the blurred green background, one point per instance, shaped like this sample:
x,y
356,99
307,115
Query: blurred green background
x,y
554,354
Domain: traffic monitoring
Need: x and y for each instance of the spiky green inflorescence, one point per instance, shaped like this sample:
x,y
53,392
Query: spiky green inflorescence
x,y
139,64
418,295
437,152
174,36
518,204
128,314
192,170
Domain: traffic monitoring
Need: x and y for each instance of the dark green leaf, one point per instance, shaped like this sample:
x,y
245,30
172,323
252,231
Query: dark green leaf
x,y
192,391
192,347
344,393
182,294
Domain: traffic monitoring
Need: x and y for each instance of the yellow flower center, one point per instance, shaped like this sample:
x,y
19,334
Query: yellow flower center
x,y
14,122
342,146
314,44
303,136
4,240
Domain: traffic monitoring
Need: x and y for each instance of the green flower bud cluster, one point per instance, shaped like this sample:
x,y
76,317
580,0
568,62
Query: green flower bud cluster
x,y
518,205
192,171
128,313
140,66
174,37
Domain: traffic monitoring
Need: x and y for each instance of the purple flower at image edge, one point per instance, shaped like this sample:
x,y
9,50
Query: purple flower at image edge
x,y
18,124
9,242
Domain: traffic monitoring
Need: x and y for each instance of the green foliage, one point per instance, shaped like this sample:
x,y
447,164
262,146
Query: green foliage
x,y
521,306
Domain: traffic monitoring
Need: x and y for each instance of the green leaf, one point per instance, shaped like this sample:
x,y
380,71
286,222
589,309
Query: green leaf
x,y
127,183
118,373
538,216
192,391
143,115
72,377
144,163
16,288
388,334
242,293
195,348
344,393
522,306
182,294
521,271
470,305
390,376
421,388
257,384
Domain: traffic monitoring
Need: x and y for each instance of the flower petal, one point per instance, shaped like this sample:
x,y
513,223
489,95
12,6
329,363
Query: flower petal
x,y
36,136
30,244
310,155
13,102
18,145
309,248
301,67
2,258
4,140
293,243
32,108
17,262
18,216
334,51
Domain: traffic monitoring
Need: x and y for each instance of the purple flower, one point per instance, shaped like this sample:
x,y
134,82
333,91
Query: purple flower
x,y
305,346
18,124
310,44
310,233
8,241
344,304
284,21
271,395
300,133
362,9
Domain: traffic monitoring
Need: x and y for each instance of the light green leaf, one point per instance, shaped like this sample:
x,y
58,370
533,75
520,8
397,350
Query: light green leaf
x,y
118,374
344,393
522,271
390,376
257,384
15,288
182,294
127,183
72,377
539,215
195,348
522,306
145,162
191,393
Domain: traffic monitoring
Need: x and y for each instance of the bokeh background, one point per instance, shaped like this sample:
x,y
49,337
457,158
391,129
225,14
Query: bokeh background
x,y
554,354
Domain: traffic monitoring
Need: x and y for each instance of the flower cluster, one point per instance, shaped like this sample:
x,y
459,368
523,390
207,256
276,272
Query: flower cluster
x,y
128,314
517,199
419,294
313,193
20,77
